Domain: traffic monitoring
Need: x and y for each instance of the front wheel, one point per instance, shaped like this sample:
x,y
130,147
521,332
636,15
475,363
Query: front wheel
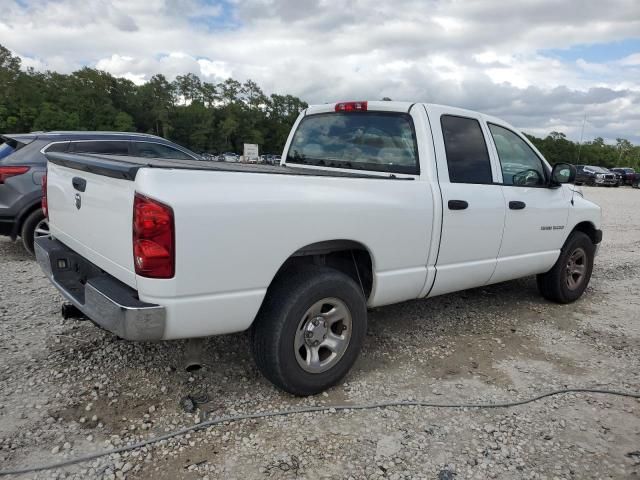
x,y
36,225
569,277
309,330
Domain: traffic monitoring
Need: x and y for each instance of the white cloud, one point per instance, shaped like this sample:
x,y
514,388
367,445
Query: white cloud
x,y
485,55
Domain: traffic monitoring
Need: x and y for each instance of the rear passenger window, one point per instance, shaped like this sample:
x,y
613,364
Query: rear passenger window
x,y
57,147
467,155
156,150
102,147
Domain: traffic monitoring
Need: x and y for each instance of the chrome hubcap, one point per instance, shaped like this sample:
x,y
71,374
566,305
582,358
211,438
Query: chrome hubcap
x,y
576,268
42,229
323,335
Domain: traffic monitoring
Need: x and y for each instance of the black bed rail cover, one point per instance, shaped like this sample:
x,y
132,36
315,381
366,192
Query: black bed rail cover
x,y
126,168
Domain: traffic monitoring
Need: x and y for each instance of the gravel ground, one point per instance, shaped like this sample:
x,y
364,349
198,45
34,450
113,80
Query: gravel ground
x,y
68,388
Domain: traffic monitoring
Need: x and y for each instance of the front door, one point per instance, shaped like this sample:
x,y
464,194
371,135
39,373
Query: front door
x,y
473,202
536,215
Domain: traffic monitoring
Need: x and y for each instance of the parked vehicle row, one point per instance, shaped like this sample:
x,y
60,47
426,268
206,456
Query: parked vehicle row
x,y
628,176
381,202
23,165
601,176
234,158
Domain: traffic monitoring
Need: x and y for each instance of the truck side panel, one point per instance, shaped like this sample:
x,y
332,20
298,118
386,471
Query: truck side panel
x,y
228,224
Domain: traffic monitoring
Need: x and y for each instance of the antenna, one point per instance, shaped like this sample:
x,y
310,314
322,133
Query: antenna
x,y
581,137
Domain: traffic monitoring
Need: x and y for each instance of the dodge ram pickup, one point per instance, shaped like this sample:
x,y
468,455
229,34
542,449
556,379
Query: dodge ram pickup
x,y
373,203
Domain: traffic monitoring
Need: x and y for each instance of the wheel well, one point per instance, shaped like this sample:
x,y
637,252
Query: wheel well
x,y
349,257
20,219
589,229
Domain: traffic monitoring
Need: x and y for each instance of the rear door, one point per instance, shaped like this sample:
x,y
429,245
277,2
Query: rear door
x,y
536,215
473,203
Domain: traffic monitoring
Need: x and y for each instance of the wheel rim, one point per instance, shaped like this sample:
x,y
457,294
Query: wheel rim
x,y
576,268
42,229
323,335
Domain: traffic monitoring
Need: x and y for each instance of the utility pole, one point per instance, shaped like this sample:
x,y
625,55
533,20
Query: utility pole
x,y
581,137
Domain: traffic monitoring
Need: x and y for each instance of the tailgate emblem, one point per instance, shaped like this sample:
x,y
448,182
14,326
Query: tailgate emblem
x,y
78,201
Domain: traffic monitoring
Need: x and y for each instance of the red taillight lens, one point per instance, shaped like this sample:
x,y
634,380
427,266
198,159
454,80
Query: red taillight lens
x,y
351,107
6,172
153,238
45,205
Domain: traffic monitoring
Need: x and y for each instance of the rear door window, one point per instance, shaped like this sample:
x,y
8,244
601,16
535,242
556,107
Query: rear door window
x,y
375,141
467,155
57,147
157,150
103,147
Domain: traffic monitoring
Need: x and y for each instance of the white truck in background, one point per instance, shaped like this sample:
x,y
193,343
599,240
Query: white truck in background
x,y
373,203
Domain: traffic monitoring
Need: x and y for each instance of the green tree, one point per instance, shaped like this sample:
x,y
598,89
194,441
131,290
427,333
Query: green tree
x,y
123,122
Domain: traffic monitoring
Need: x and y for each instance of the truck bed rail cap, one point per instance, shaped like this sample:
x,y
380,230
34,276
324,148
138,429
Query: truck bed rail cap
x,y
101,165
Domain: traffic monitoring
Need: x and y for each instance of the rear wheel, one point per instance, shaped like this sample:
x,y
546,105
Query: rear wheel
x,y
36,225
570,275
309,330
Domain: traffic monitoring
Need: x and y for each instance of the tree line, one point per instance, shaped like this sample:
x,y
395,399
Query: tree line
x,y
203,116
557,148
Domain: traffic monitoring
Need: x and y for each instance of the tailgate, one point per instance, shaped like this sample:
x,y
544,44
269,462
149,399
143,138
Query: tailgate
x,y
91,210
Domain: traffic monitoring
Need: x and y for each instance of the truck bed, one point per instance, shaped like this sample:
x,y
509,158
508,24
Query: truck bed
x,y
125,167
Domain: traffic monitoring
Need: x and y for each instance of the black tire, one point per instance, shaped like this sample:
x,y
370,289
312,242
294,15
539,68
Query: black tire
x,y
28,229
554,285
284,309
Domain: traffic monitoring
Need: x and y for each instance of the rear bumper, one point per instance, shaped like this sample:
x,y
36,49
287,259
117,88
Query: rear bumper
x,y
106,301
7,227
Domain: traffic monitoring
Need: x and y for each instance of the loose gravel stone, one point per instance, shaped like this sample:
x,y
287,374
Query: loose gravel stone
x,y
68,388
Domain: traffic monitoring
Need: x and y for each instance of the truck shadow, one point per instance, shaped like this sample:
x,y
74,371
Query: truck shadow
x,y
13,251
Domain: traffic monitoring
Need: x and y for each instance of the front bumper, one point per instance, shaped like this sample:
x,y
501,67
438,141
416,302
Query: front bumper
x,y
606,181
106,301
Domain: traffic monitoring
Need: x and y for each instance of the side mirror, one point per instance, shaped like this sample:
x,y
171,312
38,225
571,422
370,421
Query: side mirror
x,y
562,173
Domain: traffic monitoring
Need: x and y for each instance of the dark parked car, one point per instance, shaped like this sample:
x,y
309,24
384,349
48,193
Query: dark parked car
x,y
629,175
591,175
618,177
23,164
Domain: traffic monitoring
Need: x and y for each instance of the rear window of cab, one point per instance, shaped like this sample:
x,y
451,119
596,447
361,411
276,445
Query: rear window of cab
x,y
374,141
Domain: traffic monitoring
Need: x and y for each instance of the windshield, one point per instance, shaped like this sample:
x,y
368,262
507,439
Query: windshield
x,y
377,141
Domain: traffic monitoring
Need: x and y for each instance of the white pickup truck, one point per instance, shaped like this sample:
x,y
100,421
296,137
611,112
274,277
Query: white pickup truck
x,y
373,203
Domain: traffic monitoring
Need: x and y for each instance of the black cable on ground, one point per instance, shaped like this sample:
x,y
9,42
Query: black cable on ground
x,y
294,411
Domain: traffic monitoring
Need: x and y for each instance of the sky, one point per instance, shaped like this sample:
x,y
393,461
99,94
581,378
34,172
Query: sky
x,y
541,65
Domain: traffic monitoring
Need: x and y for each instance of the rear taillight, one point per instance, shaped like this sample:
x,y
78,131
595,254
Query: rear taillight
x,y
153,238
12,171
45,205
351,107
